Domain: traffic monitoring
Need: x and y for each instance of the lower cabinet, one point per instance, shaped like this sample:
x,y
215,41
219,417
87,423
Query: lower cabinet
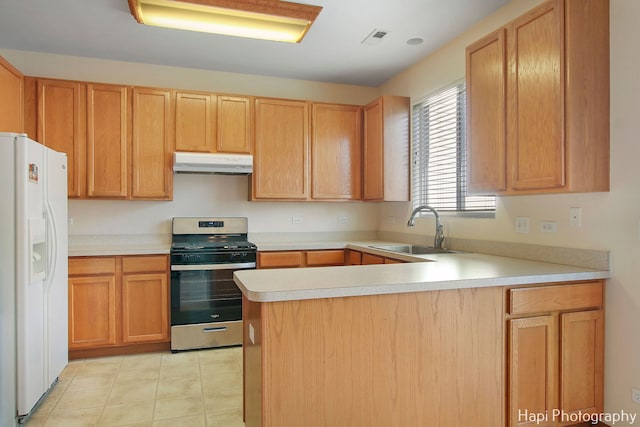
x,y
555,337
294,259
116,302
362,258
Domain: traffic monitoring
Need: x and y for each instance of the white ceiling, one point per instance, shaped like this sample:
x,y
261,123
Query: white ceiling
x,y
331,52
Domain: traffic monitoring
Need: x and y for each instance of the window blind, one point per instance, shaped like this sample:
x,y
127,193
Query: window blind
x,y
439,154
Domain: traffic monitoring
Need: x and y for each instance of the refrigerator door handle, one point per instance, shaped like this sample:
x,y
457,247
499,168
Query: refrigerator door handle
x,y
52,241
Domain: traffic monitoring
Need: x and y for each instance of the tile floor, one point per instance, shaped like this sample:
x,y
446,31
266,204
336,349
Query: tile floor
x,y
195,389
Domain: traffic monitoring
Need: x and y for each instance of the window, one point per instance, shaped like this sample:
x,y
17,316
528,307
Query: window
x,y
439,174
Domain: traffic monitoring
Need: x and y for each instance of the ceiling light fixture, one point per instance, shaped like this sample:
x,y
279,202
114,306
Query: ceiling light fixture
x,y
257,19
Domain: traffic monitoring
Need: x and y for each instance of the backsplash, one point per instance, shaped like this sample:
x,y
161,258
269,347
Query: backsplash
x,y
217,195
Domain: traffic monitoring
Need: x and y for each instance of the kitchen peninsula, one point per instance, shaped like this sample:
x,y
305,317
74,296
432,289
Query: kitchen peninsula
x,y
447,342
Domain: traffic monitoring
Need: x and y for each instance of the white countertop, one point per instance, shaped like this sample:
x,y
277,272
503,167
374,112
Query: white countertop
x,y
110,245
445,271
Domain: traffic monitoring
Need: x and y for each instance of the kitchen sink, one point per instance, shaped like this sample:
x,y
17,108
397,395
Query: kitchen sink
x,y
414,249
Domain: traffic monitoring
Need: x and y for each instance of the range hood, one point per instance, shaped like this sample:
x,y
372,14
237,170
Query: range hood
x,y
210,163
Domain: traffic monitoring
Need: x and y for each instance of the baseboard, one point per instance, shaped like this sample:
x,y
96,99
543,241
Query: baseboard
x,y
119,350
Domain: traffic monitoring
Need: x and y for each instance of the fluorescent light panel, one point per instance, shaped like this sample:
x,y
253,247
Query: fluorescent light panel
x,y
257,19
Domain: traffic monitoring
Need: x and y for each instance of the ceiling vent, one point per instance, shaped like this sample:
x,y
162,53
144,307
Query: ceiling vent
x,y
375,37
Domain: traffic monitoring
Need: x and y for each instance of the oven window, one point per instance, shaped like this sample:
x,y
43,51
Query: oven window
x,y
204,296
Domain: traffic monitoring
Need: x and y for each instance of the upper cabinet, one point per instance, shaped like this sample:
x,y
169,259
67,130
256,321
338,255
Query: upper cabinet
x,y
195,122
107,141
61,109
234,124
307,151
386,149
281,159
152,144
336,147
210,123
118,139
538,102
11,98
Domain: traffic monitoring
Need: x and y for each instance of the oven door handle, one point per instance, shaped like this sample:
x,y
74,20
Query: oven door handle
x,y
228,266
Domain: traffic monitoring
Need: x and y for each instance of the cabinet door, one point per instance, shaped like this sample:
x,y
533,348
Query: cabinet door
x,y
368,259
373,162
336,152
281,160
234,124
582,362
11,98
323,258
354,257
282,259
61,126
536,103
486,105
145,307
92,311
151,144
107,141
195,122
533,352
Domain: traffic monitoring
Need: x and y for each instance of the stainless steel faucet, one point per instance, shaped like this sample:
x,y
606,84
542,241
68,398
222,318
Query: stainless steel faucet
x,y
439,236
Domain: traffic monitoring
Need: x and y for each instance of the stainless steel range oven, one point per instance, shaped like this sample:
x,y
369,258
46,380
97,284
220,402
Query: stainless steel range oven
x,y
206,304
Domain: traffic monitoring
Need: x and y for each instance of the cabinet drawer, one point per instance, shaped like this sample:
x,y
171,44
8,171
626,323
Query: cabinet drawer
x,y
555,298
92,265
144,264
330,257
368,259
279,259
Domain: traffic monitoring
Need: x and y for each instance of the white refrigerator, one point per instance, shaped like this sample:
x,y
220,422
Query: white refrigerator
x,y
33,273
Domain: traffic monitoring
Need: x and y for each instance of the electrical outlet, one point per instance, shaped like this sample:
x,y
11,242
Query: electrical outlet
x,y
635,395
343,219
548,226
296,219
522,224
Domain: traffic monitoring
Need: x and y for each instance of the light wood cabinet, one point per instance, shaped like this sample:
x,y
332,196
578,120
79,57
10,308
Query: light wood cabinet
x,y
234,124
118,304
119,140
538,102
152,144
93,302
370,259
555,351
11,98
295,259
195,122
336,152
61,125
353,257
209,123
107,141
281,158
145,299
386,149
486,73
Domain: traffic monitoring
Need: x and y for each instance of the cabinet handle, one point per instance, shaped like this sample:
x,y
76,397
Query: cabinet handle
x,y
215,329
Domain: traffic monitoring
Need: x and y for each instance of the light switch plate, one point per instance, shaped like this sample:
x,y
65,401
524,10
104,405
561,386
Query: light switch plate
x,y
575,217
522,224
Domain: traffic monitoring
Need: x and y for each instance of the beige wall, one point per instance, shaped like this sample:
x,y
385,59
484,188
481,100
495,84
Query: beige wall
x,y
611,221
